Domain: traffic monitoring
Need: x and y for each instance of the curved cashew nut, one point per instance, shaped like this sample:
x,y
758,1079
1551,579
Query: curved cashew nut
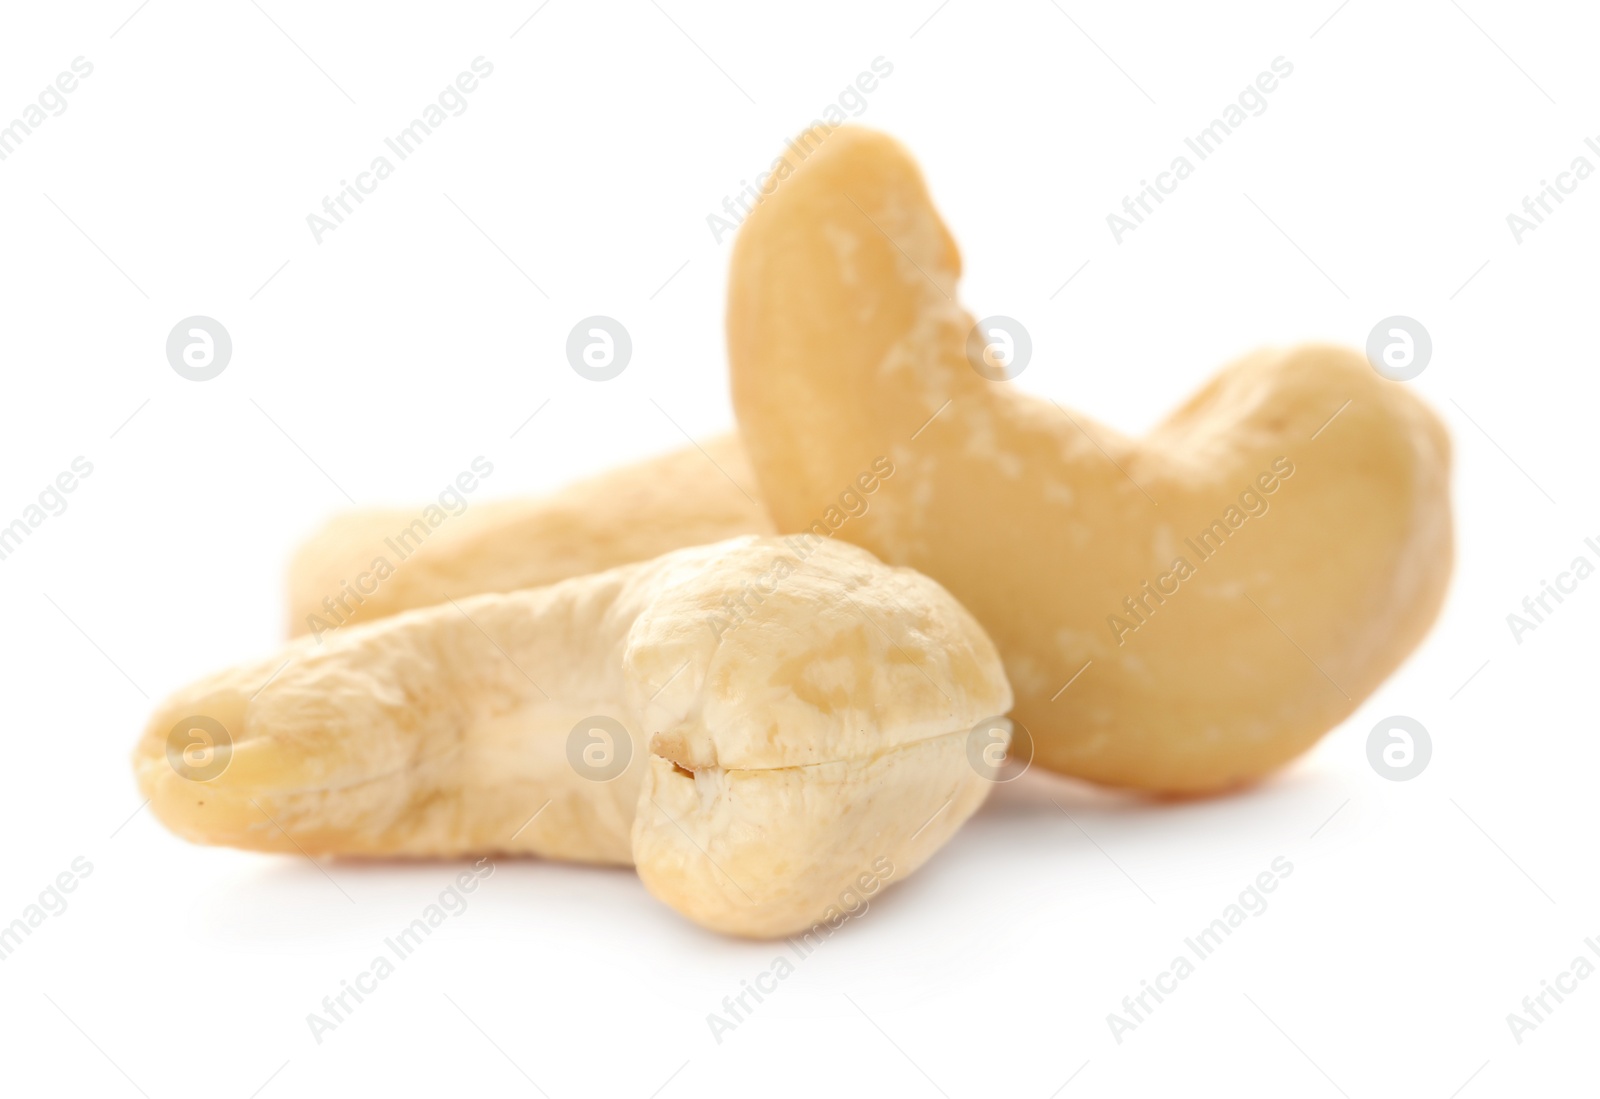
x,y
364,565
1179,613
810,710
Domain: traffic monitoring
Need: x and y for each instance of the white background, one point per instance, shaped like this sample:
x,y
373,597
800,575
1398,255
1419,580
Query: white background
x,y
427,328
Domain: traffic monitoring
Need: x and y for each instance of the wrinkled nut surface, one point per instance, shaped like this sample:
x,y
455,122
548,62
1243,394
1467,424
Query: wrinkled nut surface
x,y
367,564
792,711
1217,594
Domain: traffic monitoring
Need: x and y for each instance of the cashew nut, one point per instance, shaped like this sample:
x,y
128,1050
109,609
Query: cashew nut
x,y
1179,613
758,767
367,564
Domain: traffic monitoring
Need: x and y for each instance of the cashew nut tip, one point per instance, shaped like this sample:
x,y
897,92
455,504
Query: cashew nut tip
x,y
754,724
366,564
1181,613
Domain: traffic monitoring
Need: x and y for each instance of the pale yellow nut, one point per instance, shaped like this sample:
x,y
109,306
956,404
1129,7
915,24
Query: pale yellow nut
x,y
826,737
847,342
792,715
705,841
370,563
